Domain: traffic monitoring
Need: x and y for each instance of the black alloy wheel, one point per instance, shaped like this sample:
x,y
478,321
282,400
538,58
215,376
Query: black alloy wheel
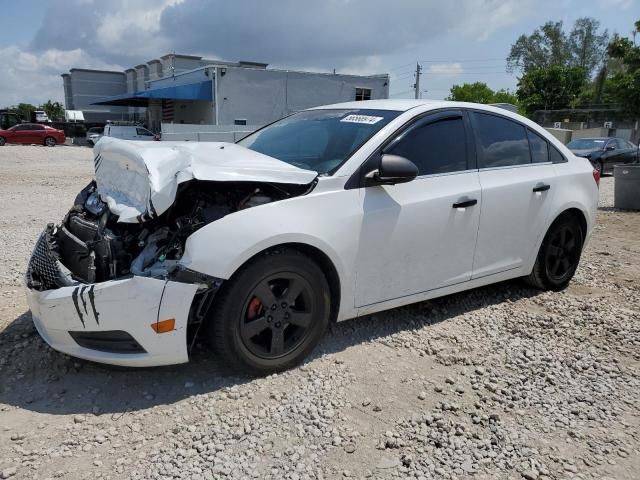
x,y
562,253
50,142
271,313
277,315
559,254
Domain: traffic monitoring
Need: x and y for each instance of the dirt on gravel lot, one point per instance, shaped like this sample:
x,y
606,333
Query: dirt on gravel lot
x,y
497,383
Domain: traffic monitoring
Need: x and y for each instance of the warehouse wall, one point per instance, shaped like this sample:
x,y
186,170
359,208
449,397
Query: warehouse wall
x,y
88,86
261,96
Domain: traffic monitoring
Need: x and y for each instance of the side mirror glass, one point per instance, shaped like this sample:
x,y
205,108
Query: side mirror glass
x,y
610,148
393,169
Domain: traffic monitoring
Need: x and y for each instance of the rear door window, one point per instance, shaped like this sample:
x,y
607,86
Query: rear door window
x,y
502,142
437,146
539,148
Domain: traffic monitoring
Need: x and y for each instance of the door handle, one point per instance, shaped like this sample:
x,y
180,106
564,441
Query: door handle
x,y
465,203
541,188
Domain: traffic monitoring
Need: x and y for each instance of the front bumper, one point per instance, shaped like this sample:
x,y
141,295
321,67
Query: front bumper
x,y
130,305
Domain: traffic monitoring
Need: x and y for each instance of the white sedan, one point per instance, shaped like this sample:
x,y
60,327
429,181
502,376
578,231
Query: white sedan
x,y
328,214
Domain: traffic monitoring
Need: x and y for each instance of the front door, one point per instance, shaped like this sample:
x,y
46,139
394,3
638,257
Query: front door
x,y
421,235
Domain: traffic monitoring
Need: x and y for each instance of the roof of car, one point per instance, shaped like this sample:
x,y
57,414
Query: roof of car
x,y
398,105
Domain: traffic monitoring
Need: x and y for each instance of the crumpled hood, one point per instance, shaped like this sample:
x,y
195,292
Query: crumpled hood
x,y
139,180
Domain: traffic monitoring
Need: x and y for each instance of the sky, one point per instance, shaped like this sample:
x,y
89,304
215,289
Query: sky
x,y
455,41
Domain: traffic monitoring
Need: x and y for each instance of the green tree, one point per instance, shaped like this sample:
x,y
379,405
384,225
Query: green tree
x,y
546,46
588,47
54,110
23,110
505,96
585,46
477,92
624,86
550,88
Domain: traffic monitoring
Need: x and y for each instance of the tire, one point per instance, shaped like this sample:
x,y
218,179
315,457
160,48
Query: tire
x,y
251,326
2,141
558,256
50,142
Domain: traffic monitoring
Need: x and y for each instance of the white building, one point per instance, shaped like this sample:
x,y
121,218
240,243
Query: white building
x,y
193,90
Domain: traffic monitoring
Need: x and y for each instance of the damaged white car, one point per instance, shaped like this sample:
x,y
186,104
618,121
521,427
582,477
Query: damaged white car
x,y
328,214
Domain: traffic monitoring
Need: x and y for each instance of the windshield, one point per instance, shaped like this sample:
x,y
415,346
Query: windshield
x,y
586,144
319,140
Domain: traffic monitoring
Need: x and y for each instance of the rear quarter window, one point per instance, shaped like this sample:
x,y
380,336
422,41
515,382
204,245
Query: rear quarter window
x,y
555,156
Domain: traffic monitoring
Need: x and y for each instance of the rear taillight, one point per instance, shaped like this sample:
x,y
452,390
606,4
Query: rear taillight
x,y
596,177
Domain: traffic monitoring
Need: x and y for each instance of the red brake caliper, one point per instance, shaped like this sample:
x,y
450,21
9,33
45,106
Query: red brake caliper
x,y
254,308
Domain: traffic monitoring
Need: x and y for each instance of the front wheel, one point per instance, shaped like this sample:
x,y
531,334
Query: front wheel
x,y
50,142
271,313
559,255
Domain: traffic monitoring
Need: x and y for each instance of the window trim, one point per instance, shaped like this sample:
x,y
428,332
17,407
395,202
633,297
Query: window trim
x,y
357,178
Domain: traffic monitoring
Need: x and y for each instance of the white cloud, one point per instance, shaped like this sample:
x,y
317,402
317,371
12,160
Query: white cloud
x,y
446,69
35,77
133,26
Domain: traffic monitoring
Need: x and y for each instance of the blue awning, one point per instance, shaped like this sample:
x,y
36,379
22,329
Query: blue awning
x,y
192,91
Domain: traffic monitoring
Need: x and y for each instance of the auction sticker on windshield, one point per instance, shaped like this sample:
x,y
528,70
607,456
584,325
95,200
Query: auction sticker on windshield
x,y
367,119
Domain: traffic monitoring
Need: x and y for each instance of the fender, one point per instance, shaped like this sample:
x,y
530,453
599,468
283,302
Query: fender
x,y
222,247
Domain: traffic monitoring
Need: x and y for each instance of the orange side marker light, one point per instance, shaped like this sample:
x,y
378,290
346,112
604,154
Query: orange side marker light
x,y
164,326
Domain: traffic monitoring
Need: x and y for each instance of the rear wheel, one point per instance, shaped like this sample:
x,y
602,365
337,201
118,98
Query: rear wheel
x,y
271,313
559,255
2,141
50,142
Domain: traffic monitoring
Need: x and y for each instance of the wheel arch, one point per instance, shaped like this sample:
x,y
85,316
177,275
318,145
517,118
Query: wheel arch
x,y
322,260
579,216
572,210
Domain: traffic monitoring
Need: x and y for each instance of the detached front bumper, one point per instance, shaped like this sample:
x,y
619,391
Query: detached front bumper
x,y
130,306
113,321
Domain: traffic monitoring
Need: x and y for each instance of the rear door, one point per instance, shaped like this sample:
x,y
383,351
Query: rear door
x,y
421,235
518,184
37,134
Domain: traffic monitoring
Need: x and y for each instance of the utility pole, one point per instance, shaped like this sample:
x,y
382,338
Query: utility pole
x,y
416,85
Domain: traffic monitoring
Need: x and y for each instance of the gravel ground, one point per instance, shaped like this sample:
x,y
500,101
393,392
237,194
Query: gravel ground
x,y
499,382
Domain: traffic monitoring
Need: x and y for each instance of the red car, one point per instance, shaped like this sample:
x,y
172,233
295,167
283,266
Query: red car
x,y
32,133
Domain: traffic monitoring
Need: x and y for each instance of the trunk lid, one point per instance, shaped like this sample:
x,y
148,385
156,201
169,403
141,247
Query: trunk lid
x,y
139,180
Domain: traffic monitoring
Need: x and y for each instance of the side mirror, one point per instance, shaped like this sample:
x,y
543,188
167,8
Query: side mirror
x,y
393,169
610,148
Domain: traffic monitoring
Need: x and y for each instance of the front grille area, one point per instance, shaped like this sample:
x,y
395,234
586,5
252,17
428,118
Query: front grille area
x,y
43,272
109,341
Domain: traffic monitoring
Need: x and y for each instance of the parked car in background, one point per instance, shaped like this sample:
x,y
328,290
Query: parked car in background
x,y
94,134
604,152
32,133
40,116
129,132
328,214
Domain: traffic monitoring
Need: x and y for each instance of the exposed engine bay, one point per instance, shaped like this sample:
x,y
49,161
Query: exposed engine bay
x,y
91,246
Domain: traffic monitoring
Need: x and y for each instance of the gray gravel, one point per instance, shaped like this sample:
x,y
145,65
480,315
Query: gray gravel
x,y
501,382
